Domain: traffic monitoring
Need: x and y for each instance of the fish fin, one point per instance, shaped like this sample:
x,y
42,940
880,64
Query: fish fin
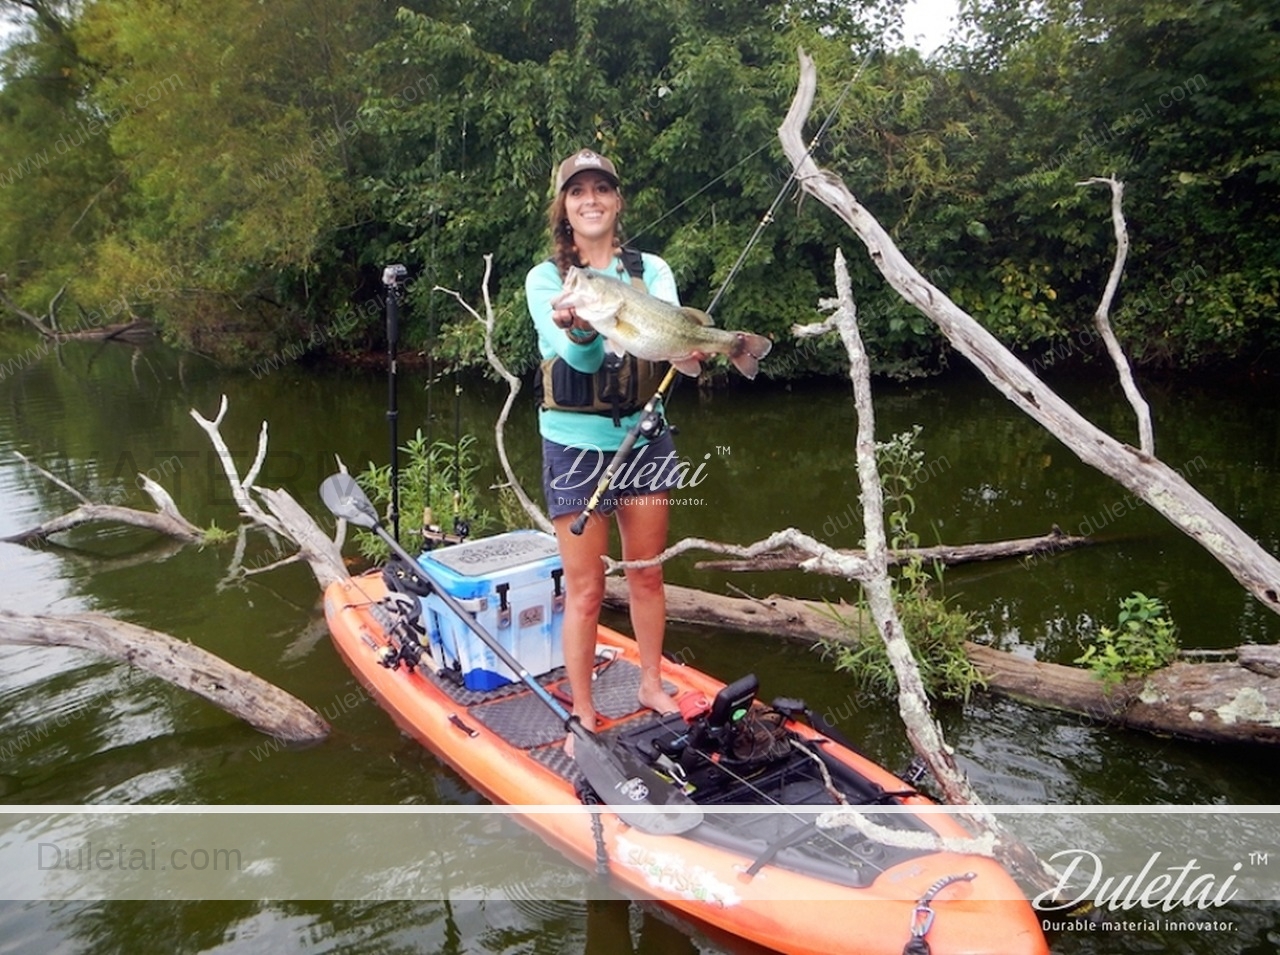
x,y
688,366
697,316
614,347
747,350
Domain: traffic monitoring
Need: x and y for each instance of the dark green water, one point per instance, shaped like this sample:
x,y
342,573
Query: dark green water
x,y
82,732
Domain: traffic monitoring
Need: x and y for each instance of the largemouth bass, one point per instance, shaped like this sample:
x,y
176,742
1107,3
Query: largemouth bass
x,y
634,321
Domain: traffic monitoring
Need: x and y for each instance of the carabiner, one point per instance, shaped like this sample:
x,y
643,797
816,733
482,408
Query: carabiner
x,y
921,920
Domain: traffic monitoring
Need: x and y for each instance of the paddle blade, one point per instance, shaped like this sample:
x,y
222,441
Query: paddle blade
x,y
344,498
638,795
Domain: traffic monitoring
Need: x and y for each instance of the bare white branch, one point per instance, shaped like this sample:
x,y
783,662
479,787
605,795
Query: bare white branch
x,y
1102,317
513,389
1148,478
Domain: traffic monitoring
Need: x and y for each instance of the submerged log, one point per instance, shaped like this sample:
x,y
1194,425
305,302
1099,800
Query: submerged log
x,y
1236,701
1219,702
802,620
133,332
262,705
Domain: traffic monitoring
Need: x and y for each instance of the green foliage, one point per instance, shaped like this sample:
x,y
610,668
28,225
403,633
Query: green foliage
x,y
1143,640
439,476
1177,100
935,631
240,172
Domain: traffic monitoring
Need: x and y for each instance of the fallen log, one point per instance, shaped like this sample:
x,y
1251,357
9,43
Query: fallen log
x,y
133,332
802,620
1234,701
1217,702
262,705
947,554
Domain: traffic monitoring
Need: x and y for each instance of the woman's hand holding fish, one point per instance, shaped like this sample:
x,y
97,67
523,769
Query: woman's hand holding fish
x,y
579,331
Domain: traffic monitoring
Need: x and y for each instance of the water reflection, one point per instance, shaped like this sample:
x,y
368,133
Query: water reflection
x,y
778,457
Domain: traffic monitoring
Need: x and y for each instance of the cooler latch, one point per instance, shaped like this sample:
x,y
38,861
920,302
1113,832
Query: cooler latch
x,y
504,609
557,595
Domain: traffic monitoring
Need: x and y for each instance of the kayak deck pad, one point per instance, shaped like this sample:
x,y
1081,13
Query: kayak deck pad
x,y
526,722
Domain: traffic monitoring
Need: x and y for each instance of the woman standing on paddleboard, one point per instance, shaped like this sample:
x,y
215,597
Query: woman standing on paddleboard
x,y
588,402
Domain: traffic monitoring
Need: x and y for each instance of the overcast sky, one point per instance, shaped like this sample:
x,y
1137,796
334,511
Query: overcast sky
x,y
928,22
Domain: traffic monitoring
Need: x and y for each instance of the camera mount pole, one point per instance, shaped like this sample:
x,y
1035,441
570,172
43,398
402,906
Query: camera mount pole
x,y
393,280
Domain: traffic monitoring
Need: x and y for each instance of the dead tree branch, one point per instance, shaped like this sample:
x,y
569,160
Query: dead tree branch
x,y
1148,478
168,521
947,554
513,389
1102,317
820,559
284,517
47,326
263,705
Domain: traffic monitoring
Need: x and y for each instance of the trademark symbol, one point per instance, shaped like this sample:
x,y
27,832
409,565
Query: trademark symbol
x,y
723,450
1258,858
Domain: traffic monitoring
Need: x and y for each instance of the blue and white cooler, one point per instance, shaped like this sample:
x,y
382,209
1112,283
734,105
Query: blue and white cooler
x,y
512,584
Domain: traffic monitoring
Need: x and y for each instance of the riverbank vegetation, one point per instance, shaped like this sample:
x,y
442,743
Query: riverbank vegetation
x,y
239,173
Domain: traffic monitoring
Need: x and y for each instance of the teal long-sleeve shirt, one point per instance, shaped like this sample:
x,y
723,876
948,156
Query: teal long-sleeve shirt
x,y
574,429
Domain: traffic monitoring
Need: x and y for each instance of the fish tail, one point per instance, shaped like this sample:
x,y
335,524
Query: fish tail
x,y
747,351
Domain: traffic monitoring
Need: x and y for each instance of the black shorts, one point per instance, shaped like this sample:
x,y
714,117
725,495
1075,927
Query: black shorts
x,y
570,475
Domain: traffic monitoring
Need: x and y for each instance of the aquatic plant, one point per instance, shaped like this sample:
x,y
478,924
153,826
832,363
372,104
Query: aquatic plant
x,y
934,628
1143,640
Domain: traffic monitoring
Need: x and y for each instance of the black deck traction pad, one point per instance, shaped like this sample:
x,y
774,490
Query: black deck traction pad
x,y
614,689
469,698
525,721
560,763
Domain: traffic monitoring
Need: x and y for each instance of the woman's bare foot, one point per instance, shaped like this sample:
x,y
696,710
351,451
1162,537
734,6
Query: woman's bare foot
x,y
657,699
588,722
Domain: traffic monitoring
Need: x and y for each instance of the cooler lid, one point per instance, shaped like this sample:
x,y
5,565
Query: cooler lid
x,y
490,555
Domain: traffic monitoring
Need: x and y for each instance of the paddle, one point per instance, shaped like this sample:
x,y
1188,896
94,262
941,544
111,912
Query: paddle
x,y
632,789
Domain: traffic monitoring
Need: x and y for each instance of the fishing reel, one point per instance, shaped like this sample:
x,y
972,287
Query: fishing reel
x,y
653,424
403,607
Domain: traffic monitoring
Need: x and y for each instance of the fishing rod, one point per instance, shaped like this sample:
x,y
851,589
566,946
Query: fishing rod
x,y
652,422
393,277
461,525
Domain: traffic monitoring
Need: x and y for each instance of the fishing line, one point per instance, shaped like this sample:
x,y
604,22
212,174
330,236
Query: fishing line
x,y
786,186
763,146
678,207
772,801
